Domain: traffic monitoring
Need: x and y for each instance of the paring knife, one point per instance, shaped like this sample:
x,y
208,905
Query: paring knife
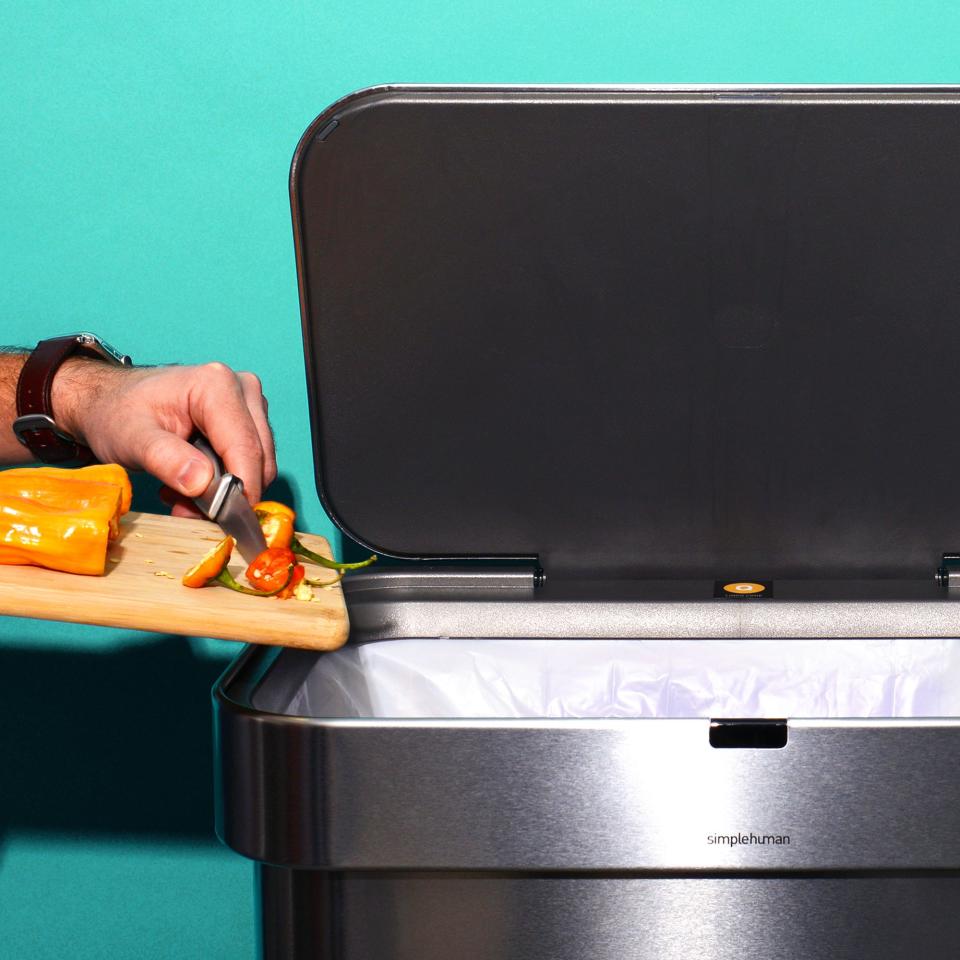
x,y
224,503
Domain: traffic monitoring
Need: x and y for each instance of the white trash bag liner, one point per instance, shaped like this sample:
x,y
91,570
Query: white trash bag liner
x,y
485,678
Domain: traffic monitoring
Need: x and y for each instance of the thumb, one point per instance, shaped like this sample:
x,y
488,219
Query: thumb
x,y
175,462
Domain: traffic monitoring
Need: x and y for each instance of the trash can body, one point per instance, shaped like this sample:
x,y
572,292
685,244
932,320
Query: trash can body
x,y
403,838
422,916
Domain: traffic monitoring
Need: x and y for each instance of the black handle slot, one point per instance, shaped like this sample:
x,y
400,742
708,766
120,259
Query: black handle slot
x,y
748,734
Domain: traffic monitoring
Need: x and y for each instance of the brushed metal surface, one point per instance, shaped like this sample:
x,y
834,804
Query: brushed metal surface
x,y
460,603
776,619
582,794
313,915
462,583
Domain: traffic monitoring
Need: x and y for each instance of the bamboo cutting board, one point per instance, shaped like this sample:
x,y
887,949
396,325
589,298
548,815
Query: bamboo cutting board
x,y
141,590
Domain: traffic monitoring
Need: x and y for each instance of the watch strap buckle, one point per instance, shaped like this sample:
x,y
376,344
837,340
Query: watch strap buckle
x,y
44,439
38,421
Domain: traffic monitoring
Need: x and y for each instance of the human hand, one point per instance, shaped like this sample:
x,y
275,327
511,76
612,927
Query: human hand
x,y
142,417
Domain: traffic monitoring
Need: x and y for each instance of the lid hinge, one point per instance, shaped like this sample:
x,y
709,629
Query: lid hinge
x,y
948,573
433,581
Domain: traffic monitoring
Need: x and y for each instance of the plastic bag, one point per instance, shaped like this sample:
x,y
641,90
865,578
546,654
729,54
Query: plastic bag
x,y
486,678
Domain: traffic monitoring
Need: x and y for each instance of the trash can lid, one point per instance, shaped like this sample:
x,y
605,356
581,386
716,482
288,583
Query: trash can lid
x,y
636,332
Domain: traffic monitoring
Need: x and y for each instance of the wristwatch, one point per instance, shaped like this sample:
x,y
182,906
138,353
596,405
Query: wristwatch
x,y
35,427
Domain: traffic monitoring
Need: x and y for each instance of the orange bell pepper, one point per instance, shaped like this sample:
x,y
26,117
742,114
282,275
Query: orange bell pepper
x,y
67,495
74,540
98,472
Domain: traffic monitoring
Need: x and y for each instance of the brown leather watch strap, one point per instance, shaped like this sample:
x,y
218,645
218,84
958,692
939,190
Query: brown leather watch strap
x,y
35,427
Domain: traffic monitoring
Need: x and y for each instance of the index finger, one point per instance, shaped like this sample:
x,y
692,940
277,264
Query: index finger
x,y
219,408
257,405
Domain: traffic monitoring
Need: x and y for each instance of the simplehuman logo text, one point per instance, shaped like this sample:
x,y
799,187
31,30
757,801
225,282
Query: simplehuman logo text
x,y
749,839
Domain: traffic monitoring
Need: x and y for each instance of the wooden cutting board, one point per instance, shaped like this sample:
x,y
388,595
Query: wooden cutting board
x,y
141,590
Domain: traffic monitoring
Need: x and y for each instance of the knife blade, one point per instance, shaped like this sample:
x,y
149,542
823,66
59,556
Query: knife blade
x,y
223,502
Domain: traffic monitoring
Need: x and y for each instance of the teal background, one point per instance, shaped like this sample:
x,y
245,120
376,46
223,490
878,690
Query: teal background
x,y
143,164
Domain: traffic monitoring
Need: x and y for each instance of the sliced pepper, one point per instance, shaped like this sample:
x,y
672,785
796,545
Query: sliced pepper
x,y
212,568
97,472
272,569
274,506
211,565
295,579
72,540
276,522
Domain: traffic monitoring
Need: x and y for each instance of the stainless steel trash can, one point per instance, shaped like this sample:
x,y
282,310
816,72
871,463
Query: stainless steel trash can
x,y
583,359
571,838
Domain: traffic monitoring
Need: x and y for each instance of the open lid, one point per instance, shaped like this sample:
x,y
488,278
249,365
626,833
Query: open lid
x,y
637,333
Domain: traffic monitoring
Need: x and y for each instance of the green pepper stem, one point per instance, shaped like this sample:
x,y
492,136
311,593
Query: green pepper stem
x,y
298,548
326,584
225,578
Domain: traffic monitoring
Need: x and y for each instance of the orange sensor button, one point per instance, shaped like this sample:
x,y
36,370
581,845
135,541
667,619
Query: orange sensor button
x,y
744,588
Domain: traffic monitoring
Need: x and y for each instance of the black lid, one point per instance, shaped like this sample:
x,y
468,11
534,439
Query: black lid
x,y
637,333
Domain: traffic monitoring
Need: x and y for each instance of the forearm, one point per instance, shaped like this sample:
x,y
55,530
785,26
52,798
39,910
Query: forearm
x,y
77,382
11,451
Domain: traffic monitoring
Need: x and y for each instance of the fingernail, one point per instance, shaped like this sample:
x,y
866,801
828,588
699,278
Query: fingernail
x,y
193,477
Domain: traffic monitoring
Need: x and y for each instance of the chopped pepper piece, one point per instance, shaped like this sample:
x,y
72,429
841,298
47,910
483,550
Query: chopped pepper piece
x,y
272,569
274,506
276,522
296,578
212,568
211,565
